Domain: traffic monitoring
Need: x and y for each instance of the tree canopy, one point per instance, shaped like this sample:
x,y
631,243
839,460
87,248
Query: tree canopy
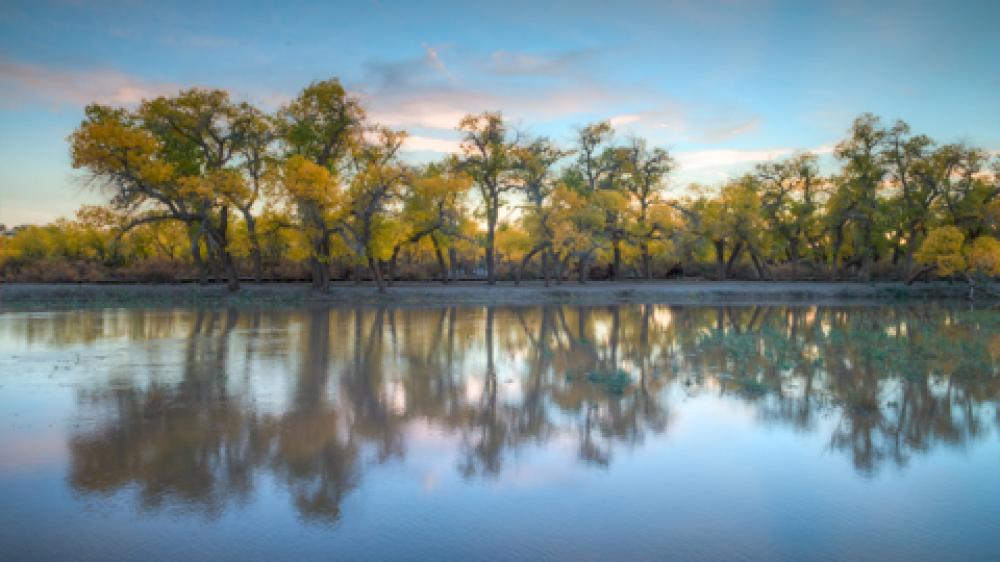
x,y
201,186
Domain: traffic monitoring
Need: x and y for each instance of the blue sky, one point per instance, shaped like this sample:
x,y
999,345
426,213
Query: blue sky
x,y
721,84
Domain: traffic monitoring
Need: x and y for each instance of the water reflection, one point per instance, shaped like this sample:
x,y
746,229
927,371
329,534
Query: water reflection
x,y
312,399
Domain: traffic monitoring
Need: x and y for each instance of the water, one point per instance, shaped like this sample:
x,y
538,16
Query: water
x,y
621,432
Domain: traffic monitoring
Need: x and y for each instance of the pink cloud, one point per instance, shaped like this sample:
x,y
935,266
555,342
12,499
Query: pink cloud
x,y
24,84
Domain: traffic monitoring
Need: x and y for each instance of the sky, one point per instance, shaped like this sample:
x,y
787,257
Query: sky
x,y
721,84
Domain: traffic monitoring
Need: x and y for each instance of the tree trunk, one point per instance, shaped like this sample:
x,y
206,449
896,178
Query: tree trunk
x,y
794,250
584,273
255,254
913,276
320,274
377,273
491,228
562,273
524,263
452,263
391,276
758,264
720,259
545,267
647,262
838,241
196,257
865,274
735,255
232,275
440,258
911,248
617,267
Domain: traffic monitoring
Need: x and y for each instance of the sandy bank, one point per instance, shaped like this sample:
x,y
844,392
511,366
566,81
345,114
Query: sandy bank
x,y
14,295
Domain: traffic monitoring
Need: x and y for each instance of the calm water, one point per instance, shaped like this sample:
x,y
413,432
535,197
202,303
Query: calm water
x,y
537,432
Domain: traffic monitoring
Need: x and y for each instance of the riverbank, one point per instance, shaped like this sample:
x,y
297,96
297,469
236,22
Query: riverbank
x,y
17,295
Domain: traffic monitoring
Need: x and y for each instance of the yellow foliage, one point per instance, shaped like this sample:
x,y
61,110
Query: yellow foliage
x,y
984,255
943,248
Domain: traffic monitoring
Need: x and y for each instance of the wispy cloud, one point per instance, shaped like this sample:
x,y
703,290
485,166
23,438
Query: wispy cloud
x,y
536,64
426,92
624,119
729,131
725,158
23,84
719,158
418,143
695,122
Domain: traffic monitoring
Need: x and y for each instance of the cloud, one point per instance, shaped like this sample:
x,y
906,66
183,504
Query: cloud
x,y
535,64
417,143
723,158
394,75
726,132
625,119
692,122
25,84
432,58
425,93
717,158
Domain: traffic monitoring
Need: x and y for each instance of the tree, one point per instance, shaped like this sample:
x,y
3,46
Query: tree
x,y
600,165
165,161
858,196
645,170
377,181
487,158
577,225
323,125
255,151
432,208
534,173
788,199
946,252
314,194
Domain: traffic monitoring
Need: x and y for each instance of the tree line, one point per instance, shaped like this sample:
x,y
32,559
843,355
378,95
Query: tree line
x,y
198,182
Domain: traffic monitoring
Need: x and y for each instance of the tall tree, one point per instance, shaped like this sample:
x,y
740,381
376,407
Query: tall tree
x,y
315,196
433,208
864,172
788,193
377,182
645,171
593,177
323,125
534,171
168,160
487,158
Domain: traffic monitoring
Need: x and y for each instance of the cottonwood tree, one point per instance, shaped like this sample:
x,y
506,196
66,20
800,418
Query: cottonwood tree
x,y
789,204
377,181
600,165
168,160
316,199
487,157
947,251
534,167
644,174
322,125
433,208
857,201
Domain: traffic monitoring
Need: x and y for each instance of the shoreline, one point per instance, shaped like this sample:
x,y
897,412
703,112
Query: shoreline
x,y
416,293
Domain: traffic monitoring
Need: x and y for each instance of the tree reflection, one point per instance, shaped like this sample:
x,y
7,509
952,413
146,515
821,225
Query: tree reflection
x,y
900,381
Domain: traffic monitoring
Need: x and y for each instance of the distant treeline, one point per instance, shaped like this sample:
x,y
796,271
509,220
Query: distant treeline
x,y
201,187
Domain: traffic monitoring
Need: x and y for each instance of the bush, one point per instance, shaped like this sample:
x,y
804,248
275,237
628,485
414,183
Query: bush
x,y
53,270
154,270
